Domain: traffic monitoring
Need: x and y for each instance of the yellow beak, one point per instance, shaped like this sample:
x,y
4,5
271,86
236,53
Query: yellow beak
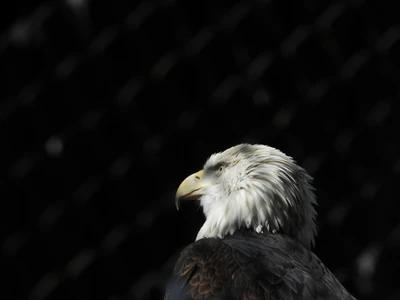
x,y
191,188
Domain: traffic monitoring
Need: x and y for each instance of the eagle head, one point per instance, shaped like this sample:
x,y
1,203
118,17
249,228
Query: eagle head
x,y
254,187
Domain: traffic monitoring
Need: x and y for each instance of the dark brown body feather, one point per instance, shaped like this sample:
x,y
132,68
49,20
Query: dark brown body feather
x,y
248,265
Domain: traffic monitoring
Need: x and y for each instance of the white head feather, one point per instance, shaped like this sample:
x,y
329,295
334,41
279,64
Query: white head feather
x,y
257,187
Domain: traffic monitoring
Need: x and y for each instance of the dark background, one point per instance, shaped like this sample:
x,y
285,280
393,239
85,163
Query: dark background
x,y
106,106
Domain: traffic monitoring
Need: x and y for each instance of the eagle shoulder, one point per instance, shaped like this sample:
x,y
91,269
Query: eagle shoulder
x,y
248,265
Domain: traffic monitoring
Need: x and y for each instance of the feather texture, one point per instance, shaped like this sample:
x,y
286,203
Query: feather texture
x,y
249,265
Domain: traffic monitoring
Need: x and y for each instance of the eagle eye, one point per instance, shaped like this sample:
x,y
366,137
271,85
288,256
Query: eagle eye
x,y
219,171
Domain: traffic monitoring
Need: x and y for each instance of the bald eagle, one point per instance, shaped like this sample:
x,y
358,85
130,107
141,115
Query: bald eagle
x,y
259,228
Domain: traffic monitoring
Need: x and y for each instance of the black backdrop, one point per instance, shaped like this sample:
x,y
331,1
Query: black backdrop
x,y
107,105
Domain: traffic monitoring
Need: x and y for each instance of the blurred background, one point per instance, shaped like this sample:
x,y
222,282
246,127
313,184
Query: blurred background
x,y
106,106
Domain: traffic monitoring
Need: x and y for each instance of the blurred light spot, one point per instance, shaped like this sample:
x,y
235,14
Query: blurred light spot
x,y
140,14
317,91
121,165
54,146
369,190
366,261
292,42
337,214
29,93
13,244
90,120
259,65
103,40
200,41
22,167
76,3
312,163
64,69
87,190
25,31
261,97
343,141
396,166
20,32
353,64
152,145
378,113
114,238
129,91
235,15
388,39
164,65
227,88
80,262
50,215
283,117
328,17
45,286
